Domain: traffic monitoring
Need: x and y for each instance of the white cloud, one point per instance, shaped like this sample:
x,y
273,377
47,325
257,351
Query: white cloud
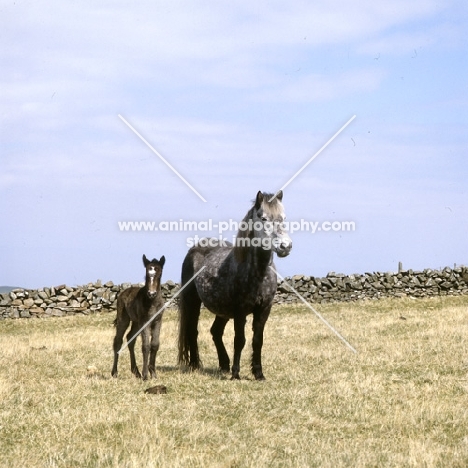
x,y
213,87
131,39
410,42
322,87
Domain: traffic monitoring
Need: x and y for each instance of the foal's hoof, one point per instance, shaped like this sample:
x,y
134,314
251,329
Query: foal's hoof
x,y
260,377
235,377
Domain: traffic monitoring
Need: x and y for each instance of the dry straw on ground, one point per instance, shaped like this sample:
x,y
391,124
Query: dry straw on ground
x,y
401,401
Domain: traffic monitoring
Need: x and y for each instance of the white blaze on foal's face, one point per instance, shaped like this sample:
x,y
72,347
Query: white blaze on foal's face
x,y
152,286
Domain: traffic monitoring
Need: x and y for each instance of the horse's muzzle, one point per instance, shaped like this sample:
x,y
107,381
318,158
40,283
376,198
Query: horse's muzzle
x,y
283,248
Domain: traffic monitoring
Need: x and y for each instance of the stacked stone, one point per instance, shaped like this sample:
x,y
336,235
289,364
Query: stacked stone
x,y
340,287
168,289
65,300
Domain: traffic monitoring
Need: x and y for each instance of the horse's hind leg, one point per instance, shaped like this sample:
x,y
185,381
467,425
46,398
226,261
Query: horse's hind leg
x,y
131,348
217,330
194,362
121,324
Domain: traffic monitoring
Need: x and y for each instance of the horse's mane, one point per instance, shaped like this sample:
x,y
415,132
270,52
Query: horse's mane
x,y
274,207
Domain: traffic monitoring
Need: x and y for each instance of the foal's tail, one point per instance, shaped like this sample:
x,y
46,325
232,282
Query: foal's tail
x,y
189,312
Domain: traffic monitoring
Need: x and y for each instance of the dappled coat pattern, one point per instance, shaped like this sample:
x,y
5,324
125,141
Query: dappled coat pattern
x,y
234,281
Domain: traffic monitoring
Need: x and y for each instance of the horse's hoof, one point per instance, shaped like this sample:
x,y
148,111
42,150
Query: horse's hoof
x,y
260,378
235,377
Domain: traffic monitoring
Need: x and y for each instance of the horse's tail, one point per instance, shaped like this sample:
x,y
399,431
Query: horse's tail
x,y
184,345
189,313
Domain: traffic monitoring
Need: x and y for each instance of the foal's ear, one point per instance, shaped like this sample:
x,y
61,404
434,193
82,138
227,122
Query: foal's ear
x,y
162,261
258,200
145,261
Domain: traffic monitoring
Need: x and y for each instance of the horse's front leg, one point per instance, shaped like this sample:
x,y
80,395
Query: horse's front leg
x,y
239,343
217,330
145,349
155,331
258,325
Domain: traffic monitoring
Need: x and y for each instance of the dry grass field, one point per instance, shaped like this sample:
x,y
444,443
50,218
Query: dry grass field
x,y
401,401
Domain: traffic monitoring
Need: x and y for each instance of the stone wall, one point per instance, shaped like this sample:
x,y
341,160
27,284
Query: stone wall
x,y
339,287
65,300
93,297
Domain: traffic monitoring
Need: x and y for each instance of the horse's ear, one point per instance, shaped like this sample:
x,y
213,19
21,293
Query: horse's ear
x,y
279,195
145,260
258,200
162,261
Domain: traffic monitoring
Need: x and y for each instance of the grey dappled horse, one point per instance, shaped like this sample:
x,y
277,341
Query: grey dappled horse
x,y
237,280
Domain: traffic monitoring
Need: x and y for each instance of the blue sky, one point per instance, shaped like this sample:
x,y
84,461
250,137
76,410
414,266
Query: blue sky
x,y
237,96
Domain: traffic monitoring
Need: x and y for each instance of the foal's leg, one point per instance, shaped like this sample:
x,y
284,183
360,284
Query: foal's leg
x,y
258,325
145,349
155,331
239,343
131,349
217,330
121,325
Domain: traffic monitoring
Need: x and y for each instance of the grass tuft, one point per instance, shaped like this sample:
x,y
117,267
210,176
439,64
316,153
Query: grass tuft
x,y
400,401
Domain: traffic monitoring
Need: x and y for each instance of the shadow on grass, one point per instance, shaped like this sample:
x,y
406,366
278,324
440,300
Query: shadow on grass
x,y
215,373
209,371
